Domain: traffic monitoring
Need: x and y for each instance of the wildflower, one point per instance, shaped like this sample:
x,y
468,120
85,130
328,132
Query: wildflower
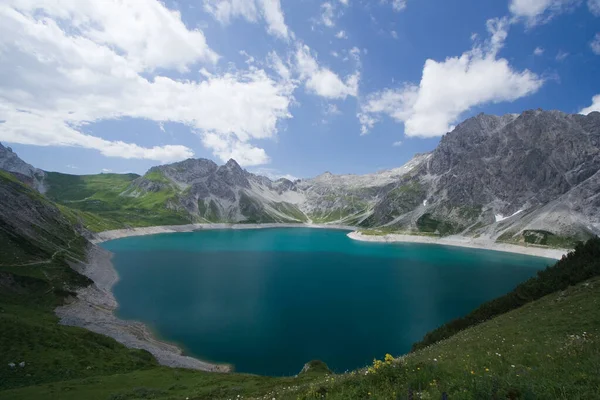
x,y
472,372
512,366
418,368
487,370
435,359
389,358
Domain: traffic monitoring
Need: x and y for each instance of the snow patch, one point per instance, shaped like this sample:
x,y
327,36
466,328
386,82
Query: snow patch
x,y
500,217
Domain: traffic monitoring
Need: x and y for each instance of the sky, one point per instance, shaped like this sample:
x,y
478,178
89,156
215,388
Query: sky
x,y
288,88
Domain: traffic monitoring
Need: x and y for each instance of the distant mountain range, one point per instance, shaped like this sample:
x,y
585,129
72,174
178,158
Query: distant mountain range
x,y
533,177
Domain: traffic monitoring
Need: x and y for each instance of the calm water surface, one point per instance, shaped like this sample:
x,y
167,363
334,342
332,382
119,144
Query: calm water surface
x,y
269,300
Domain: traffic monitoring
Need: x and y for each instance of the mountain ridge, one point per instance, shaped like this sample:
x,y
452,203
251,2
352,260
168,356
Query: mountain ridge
x,y
531,177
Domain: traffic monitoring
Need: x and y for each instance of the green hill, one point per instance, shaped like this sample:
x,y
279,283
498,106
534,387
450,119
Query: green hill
x,y
100,202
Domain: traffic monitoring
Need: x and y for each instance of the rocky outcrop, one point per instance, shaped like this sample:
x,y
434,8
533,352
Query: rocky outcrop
x,y
9,161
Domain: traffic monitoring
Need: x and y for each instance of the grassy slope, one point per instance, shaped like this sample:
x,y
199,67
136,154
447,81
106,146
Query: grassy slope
x,y
548,349
98,204
37,243
577,266
544,340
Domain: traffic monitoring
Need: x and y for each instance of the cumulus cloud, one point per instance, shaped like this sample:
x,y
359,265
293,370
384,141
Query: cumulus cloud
x,y
321,80
538,51
148,33
451,87
594,107
540,11
595,44
64,67
251,10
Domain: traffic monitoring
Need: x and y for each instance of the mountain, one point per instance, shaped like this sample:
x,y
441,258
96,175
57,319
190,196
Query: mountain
x,y
516,177
9,161
227,193
532,177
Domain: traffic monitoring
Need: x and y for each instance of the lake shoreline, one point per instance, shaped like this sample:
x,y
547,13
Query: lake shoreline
x,y
154,230
93,309
94,306
457,241
462,241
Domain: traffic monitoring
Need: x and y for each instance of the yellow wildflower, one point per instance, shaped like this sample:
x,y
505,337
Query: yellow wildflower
x,y
472,372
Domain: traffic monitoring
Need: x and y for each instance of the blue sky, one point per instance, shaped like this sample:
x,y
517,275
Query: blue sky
x,y
287,88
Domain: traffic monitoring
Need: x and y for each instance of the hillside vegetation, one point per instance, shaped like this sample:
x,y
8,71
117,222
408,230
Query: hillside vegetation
x,y
38,247
100,202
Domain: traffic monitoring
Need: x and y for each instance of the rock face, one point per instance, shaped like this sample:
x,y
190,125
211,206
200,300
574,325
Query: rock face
x,y
533,176
226,193
9,161
490,168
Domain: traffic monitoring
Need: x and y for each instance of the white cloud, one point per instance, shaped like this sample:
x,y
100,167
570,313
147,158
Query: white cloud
x,y
274,17
72,166
397,5
341,35
228,146
394,34
452,87
273,174
327,14
278,65
540,11
398,143
344,2
595,44
538,51
251,10
594,7
561,55
106,170
321,80
146,32
64,73
594,107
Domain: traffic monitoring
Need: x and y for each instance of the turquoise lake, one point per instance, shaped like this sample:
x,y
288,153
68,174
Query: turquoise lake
x,y
269,300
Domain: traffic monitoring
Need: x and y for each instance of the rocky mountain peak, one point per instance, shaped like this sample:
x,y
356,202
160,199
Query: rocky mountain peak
x,y
232,174
233,165
10,161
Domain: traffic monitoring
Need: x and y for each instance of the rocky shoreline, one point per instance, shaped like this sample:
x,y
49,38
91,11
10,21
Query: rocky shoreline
x,y
153,230
94,307
462,241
